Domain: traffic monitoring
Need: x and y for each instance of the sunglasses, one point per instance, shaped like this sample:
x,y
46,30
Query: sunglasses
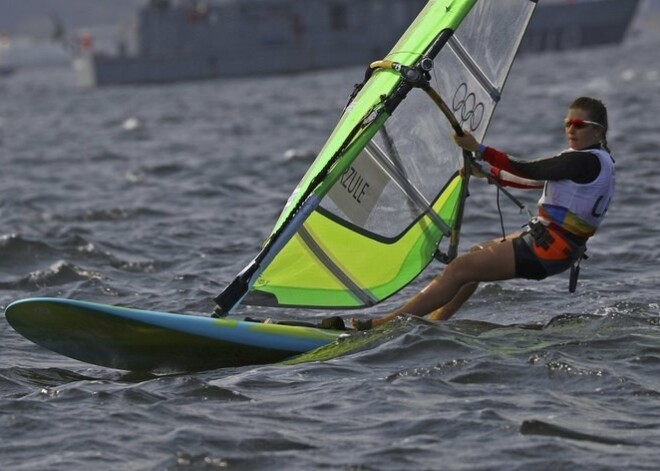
x,y
580,123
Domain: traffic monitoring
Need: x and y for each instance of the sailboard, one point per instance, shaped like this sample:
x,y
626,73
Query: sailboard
x,y
383,199
141,340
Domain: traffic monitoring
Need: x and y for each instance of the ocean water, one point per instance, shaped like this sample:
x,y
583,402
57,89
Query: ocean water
x,y
155,197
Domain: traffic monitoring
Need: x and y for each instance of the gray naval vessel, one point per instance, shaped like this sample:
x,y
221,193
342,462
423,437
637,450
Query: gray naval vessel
x,y
183,40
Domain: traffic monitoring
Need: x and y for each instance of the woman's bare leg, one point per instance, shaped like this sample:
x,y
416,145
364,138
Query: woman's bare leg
x,y
466,291
452,307
493,262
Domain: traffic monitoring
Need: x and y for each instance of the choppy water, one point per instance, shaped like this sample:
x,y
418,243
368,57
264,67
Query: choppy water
x,y
156,197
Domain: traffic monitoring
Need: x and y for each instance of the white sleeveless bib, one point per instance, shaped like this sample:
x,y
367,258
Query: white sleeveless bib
x,y
579,207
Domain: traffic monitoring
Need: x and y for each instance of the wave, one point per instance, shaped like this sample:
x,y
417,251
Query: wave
x,y
32,264
16,250
57,274
457,343
540,427
108,215
19,255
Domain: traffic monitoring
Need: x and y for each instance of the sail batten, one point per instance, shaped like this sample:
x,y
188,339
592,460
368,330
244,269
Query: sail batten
x,y
387,189
475,70
362,295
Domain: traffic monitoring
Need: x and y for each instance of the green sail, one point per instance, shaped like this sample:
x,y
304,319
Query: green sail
x,y
386,190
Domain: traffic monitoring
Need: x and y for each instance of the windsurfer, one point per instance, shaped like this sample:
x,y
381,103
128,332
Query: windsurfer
x,y
578,186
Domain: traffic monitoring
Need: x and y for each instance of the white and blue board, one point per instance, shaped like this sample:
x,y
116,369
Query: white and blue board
x,y
141,340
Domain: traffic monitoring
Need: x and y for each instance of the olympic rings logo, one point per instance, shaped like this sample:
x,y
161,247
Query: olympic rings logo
x,y
465,104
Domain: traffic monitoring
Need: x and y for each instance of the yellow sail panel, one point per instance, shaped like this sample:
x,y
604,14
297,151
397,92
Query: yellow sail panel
x,y
332,263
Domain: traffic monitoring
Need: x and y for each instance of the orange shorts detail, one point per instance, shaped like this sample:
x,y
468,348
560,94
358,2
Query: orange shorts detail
x,y
539,259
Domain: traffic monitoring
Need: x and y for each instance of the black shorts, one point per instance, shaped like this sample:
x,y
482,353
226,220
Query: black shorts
x,y
535,262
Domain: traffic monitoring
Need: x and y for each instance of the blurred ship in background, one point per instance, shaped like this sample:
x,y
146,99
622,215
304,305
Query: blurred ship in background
x,y
182,40
175,41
